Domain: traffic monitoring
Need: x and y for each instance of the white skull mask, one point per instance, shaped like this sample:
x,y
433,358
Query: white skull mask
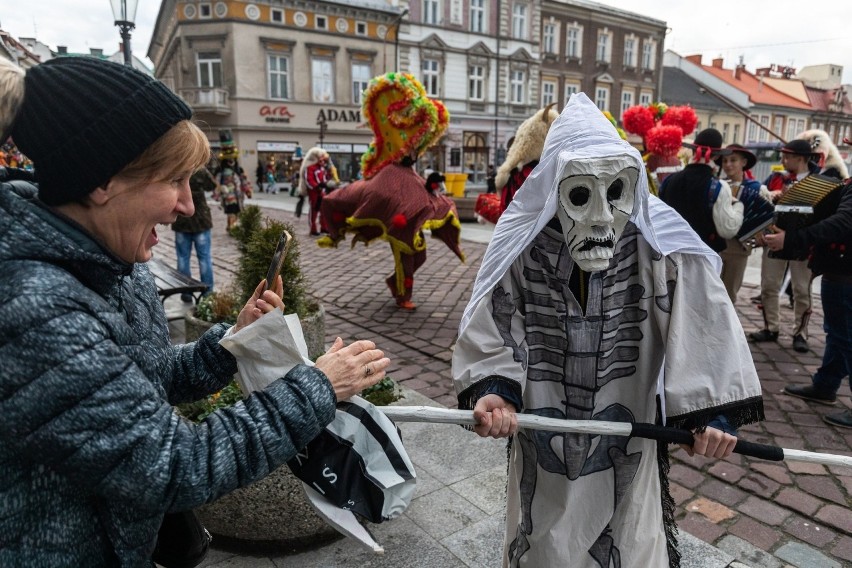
x,y
595,202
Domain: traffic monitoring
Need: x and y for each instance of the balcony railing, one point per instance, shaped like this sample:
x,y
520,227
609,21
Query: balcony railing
x,y
207,99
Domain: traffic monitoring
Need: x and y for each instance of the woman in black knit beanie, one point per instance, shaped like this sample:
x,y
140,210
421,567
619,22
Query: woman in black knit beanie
x,y
92,454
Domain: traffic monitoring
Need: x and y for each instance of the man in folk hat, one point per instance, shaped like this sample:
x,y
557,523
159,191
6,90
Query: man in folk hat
x,y
797,157
735,255
704,201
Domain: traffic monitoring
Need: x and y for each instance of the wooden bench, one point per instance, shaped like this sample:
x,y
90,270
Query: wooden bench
x,y
169,281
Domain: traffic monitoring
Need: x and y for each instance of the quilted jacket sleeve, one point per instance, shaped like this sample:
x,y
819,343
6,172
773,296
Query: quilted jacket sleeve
x,y
73,401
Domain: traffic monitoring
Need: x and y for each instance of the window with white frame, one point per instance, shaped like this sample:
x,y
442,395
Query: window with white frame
x,y
321,22
361,75
205,11
736,138
571,88
649,54
476,82
209,69
276,15
477,16
626,100
431,12
574,41
431,76
726,130
519,21
645,97
548,92
602,97
279,76
604,49
322,80
630,43
763,136
778,123
548,37
361,28
752,128
517,87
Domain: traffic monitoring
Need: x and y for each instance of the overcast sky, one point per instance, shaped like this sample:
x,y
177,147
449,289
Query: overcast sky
x,y
790,33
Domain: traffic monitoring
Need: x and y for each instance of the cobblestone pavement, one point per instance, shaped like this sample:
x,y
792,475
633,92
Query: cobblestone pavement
x,y
769,514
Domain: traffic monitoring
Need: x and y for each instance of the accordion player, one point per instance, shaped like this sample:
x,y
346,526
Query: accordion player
x,y
803,203
758,214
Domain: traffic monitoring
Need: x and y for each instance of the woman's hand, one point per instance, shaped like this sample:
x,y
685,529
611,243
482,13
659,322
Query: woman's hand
x,y
261,302
775,240
711,443
353,368
495,417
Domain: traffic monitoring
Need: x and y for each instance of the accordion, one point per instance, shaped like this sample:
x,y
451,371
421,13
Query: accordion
x,y
799,207
758,214
796,207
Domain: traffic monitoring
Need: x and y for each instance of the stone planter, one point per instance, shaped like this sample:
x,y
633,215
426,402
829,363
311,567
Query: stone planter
x,y
272,515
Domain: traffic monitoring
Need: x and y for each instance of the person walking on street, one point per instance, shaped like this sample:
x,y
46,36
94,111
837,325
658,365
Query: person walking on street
x,y
196,231
313,180
735,254
796,158
830,242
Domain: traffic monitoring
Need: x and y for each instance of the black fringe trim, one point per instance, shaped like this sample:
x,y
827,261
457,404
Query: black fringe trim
x,y
738,413
669,523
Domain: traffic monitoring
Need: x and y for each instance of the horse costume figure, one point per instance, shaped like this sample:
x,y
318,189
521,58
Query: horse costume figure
x,y
393,202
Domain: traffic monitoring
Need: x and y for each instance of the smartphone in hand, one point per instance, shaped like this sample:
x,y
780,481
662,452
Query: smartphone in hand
x,y
278,259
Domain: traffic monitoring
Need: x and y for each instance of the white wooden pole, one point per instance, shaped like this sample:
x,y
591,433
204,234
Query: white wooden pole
x,y
434,415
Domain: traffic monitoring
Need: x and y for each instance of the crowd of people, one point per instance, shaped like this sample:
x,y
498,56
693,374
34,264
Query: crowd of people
x,y
583,308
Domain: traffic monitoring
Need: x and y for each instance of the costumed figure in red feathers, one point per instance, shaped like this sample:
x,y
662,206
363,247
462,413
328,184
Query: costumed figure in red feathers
x,y
521,158
393,202
662,129
313,183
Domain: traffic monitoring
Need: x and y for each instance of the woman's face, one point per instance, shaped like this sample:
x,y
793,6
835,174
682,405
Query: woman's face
x,y
131,213
733,165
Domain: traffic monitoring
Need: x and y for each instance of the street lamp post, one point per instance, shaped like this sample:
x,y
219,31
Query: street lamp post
x,y
396,38
322,126
124,12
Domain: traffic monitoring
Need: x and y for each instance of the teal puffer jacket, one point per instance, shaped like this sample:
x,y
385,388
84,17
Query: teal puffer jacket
x,y
92,454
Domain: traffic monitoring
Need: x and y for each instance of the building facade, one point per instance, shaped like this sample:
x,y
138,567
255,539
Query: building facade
x,y
612,55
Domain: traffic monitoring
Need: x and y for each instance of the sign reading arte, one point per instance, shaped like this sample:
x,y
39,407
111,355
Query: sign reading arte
x,y
280,113
277,113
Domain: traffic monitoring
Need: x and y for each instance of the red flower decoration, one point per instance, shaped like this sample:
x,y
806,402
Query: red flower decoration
x,y
682,116
664,140
638,120
399,221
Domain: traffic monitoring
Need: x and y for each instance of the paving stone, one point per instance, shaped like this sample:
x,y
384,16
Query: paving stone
x,y
479,545
758,484
759,535
695,553
804,556
798,500
699,526
443,512
838,517
723,492
686,476
746,552
486,490
823,487
774,472
764,511
727,471
809,532
806,467
713,511
843,549
679,493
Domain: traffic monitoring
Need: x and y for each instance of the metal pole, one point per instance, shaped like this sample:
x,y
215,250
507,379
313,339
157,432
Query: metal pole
x,y
496,89
396,39
125,28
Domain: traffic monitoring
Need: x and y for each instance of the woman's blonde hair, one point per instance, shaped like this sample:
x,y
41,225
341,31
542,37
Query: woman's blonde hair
x,y
11,95
183,148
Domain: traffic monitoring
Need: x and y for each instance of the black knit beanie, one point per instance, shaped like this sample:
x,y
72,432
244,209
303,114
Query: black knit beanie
x,y
84,119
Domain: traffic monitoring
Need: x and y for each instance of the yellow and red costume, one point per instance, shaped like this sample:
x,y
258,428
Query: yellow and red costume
x,y
393,202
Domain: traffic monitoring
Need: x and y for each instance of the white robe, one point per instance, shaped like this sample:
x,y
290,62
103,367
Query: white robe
x,y
589,501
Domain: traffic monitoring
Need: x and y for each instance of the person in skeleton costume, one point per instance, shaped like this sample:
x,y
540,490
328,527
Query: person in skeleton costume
x,y
393,202
585,307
